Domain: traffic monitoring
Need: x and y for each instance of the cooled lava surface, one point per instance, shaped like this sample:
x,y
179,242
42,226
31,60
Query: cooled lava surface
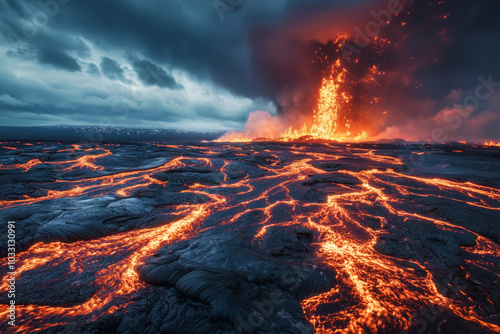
x,y
261,237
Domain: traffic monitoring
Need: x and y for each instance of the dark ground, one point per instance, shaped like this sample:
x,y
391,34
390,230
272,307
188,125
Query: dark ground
x,y
264,237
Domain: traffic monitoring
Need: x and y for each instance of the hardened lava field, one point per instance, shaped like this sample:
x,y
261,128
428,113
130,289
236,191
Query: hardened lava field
x,y
261,237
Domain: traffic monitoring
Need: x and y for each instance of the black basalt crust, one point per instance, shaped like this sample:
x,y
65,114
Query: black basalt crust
x,y
262,237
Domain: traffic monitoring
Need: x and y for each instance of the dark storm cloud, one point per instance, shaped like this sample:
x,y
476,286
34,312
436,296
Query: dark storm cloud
x,y
187,36
112,69
183,34
25,25
154,75
58,59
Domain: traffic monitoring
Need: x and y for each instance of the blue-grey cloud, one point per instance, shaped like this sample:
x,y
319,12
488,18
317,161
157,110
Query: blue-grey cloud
x,y
58,59
111,69
153,75
93,69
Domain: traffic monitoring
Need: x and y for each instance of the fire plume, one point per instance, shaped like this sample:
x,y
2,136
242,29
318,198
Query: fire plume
x,y
329,120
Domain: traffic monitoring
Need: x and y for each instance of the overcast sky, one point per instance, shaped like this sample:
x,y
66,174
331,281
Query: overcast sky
x,y
187,64
133,63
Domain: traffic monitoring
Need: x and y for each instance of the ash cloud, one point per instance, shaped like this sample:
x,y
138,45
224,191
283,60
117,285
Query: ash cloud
x,y
260,124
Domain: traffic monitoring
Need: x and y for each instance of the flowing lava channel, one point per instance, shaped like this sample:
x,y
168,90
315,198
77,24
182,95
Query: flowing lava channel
x,y
375,292
117,281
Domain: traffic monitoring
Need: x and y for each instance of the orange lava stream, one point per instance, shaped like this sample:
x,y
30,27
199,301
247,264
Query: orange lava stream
x,y
118,279
386,290
382,292
99,183
86,161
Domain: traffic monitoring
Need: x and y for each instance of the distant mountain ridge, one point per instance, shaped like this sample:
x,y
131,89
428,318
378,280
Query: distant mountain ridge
x,y
98,134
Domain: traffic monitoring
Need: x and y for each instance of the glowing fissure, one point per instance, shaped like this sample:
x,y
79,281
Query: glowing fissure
x,y
379,292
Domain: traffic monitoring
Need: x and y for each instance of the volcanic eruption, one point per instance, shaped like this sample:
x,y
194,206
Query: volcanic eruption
x,y
361,78
368,203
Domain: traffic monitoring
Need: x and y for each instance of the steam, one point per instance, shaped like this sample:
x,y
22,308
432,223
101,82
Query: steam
x,y
260,124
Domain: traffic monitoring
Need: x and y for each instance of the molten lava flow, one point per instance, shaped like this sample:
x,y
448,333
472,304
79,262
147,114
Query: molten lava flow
x,y
26,166
384,289
119,280
116,281
491,143
375,292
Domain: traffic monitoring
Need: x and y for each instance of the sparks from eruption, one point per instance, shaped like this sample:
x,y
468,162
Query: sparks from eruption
x,y
331,119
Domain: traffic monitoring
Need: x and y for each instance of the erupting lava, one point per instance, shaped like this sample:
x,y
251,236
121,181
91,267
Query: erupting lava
x,y
328,114
407,246
331,115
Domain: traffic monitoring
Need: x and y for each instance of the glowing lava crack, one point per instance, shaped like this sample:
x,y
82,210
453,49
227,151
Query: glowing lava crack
x,y
263,237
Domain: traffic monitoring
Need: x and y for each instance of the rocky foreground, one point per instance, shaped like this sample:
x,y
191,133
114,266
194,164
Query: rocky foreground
x,y
262,237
